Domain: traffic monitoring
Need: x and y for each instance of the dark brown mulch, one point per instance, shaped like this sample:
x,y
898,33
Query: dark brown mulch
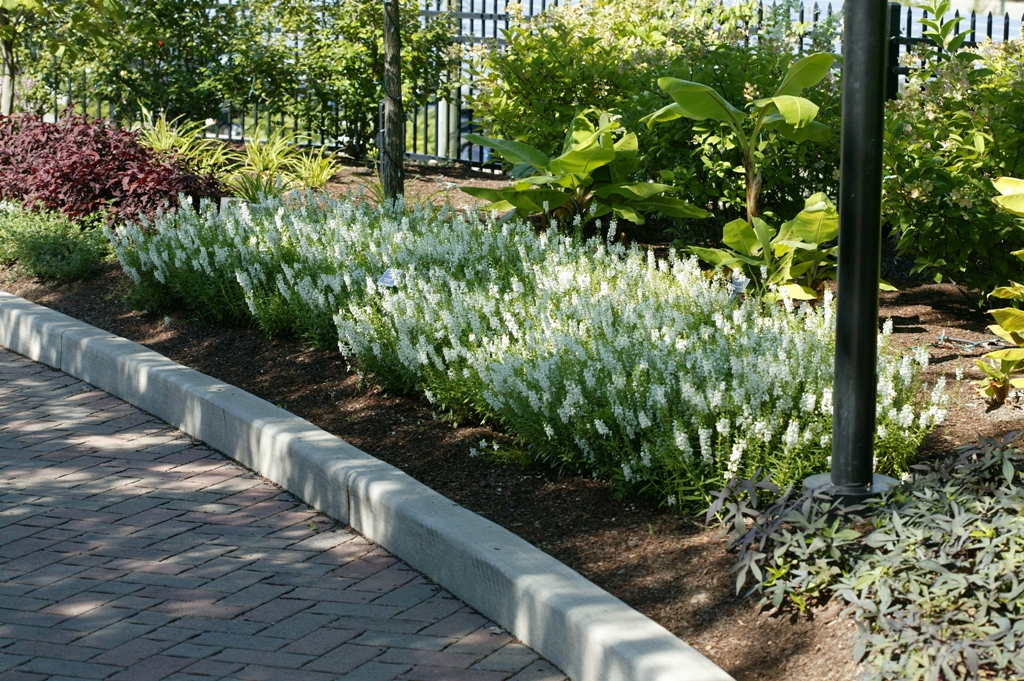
x,y
668,567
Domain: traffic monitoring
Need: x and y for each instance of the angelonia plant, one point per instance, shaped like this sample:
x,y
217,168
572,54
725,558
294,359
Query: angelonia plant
x,y
592,178
595,358
785,113
1004,368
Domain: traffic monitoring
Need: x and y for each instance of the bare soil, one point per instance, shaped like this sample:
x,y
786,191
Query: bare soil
x,y
669,567
423,182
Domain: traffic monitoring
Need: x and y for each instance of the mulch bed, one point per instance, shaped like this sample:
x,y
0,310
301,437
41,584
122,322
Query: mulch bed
x,y
669,567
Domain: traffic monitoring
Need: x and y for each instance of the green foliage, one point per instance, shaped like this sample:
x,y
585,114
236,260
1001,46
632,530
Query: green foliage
x,y
334,81
593,177
49,245
267,166
1003,365
257,187
785,113
244,53
931,569
954,131
179,138
792,260
314,169
606,55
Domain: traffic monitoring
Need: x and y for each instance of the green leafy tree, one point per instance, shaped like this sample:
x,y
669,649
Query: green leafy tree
x,y
63,28
324,63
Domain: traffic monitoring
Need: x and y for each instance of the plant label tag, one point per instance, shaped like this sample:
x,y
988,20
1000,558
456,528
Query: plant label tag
x,y
389,278
739,285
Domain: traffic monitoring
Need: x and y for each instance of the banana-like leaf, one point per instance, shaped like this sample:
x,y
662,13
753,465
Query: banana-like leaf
x,y
634,190
1007,355
800,268
805,73
673,207
1011,203
521,170
1009,185
781,246
798,292
1014,291
818,222
537,181
740,236
886,286
1008,336
627,213
626,161
1012,199
700,102
716,257
482,193
795,111
582,161
1009,318
666,113
1017,382
581,129
513,152
533,200
989,369
815,131
764,233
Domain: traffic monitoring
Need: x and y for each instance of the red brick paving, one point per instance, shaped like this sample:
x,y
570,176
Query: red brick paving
x,y
129,551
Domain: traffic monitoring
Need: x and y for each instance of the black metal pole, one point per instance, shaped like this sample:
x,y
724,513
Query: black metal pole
x,y
865,61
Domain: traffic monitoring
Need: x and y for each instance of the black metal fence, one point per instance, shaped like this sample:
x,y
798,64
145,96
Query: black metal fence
x,y
435,132
905,33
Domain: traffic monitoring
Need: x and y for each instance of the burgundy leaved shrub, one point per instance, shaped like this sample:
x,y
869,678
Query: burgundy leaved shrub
x,y
79,166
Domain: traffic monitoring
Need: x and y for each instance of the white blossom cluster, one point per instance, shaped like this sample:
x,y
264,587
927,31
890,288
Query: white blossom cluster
x,y
605,360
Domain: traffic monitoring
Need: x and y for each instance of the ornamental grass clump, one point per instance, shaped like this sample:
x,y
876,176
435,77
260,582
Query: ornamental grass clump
x,y
931,570
602,360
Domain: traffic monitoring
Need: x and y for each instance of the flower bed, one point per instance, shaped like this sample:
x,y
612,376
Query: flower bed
x,y
600,359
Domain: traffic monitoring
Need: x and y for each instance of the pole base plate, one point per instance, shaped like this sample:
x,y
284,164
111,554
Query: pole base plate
x,y
823,481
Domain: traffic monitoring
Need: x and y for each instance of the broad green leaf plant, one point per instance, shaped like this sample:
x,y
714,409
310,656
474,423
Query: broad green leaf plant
x,y
1004,368
591,178
791,259
785,113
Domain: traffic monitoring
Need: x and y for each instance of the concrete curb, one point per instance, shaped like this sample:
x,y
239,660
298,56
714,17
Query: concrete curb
x,y
582,629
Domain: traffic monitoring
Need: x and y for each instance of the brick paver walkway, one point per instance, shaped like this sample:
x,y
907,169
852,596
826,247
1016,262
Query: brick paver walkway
x,y
130,551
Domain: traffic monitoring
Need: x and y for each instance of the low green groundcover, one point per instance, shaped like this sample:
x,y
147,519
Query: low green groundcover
x,y
931,570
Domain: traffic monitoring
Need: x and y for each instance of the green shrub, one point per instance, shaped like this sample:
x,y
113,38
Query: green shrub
x,y
600,359
957,128
50,246
931,569
608,55
590,179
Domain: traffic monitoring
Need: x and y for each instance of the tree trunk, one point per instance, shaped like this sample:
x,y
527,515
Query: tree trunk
x,y
7,57
392,151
